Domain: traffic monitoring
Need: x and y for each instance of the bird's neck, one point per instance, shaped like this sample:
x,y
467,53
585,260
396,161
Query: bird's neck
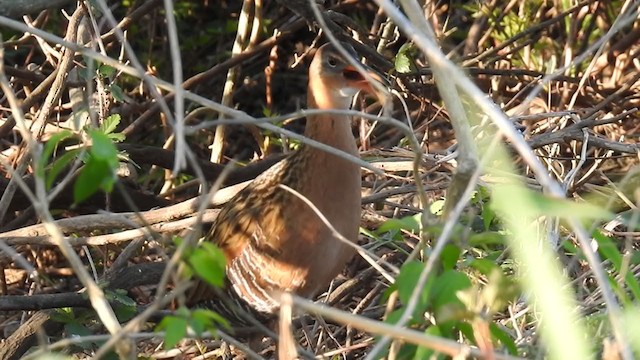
x,y
323,178
317,170
330,129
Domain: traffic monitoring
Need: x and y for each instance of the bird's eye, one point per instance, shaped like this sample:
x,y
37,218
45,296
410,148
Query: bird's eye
x,y
332,61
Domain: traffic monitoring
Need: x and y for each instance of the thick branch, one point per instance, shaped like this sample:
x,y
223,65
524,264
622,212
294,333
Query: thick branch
x,y
17,8
26,335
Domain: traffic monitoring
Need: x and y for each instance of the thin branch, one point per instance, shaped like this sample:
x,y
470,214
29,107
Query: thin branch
x,y
96,296
438,344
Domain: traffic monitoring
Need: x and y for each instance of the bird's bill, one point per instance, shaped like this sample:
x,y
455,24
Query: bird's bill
x,y
358,81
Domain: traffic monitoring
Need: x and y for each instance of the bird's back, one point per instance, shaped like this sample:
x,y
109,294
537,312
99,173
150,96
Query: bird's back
x,y
275,242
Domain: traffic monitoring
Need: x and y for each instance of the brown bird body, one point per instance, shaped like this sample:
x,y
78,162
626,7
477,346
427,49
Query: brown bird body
x,y
272,240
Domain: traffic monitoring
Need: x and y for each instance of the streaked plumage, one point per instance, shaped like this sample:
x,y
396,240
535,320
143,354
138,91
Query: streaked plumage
x,y
272,240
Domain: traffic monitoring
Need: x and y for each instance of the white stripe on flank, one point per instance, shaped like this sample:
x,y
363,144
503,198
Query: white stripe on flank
x,y
243,275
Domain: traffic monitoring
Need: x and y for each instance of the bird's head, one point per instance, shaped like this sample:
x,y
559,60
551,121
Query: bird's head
x,y
333,81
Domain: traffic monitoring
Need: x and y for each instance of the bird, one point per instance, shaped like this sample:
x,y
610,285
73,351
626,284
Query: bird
x,y
272,240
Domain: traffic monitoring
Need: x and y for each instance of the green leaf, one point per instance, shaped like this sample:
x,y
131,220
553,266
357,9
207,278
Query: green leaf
x,y
117,92
75,329
116,137
125,313
437,207
563,208
427,353
120,296
407,279
394,316
407,351
99,170
85,74
608,250
53,356
487,238
483,265
406,283
106,71
410,223
207,319
445,289
465,329
231,26
504,338
449,257
58,165
63,315
447,285
49,148
103,148
110,123
94,175
488,215
209,262
175,329
404,62
53,143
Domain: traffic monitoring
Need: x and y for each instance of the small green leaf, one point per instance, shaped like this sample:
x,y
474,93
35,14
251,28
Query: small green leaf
x,y
94,175
99,170
117,92
488,215
50,147
85,74
116,137
75,329
125,313
542,205
103,148
410,223
394,316
446,286
427,353
120,296
407,282
504,338
231,26
407,279
209,262
106,71
58,165
483,265
63,315
608,250
175,329
449,256
487,238
465,328
53,143
110,123
437,207
407,351
404,62
202,319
